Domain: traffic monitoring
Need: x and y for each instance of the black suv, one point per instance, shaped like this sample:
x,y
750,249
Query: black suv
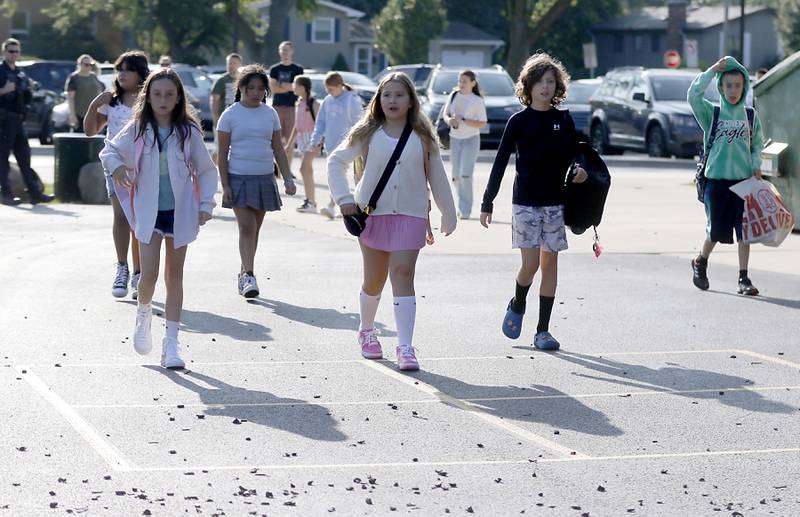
x,y
646,110
50,78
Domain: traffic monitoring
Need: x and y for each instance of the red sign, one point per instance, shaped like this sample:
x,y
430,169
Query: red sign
x,y
672,59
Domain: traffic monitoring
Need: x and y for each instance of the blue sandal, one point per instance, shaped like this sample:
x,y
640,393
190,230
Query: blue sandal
x,y
512,323
545,341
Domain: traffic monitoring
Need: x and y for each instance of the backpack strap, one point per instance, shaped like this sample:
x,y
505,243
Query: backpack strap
x,y
138,145
190,166
450,102
713,135
751,120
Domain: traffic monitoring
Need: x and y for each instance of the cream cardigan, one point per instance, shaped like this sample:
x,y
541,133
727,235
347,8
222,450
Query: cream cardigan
x,y
406,193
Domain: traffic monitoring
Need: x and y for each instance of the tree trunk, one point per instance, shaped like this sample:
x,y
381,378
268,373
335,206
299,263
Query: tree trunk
x,y
278,14
523,36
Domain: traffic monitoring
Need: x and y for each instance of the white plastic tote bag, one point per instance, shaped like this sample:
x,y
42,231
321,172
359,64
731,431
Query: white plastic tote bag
x,y
766,218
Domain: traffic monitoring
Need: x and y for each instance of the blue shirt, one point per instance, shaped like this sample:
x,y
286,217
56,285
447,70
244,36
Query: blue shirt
x,y
166,198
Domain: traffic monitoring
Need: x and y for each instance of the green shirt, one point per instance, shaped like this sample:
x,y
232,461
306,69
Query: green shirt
x,y
86,88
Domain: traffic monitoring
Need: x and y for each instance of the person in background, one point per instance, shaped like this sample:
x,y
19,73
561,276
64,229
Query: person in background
x,y
165,61
223,93
82,87
281,83
15,95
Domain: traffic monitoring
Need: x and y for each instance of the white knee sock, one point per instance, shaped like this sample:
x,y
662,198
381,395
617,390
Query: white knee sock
x,y
368,307
172,329
405,313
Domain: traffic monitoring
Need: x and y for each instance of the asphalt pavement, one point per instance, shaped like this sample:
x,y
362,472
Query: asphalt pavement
x,y
664,400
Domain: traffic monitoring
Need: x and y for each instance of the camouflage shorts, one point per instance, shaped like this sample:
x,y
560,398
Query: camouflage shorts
x,y
538,227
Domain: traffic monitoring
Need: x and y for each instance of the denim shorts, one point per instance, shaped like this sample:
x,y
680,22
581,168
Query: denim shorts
x,y
165,223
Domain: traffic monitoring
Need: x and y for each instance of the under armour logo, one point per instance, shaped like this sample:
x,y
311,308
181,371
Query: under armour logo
x,y
556,127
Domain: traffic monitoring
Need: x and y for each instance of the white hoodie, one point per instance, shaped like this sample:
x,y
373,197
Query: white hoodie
x,y
121,150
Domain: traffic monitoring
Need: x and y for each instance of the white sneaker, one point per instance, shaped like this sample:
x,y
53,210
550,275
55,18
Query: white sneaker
x,y
249,287
240,283
120,287
307,207
171,354
329,211
142,336
135,286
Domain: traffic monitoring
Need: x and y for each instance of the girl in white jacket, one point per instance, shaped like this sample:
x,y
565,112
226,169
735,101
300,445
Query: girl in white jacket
x,y
165,181
396,230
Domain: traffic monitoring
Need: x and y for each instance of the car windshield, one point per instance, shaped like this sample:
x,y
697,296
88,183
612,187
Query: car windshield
x,y
51,76
187,77
674,88
579,93
492,84
357,79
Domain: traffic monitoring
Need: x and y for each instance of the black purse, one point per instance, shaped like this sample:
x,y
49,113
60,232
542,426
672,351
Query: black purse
x,y
356,223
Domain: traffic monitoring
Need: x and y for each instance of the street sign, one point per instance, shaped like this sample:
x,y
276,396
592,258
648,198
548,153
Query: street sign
x,y
672,59
690,51
589,55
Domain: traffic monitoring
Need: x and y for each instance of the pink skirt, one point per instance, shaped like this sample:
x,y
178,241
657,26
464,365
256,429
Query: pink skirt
x,y
394,233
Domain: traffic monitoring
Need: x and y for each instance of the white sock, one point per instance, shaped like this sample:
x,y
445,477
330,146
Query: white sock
x,y
144,308
405,313
172,329
368,307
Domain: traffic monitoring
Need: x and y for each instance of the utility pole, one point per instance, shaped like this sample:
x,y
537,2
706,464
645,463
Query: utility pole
x,y
741,34
723,41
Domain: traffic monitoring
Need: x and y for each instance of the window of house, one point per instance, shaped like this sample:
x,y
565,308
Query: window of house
x,y
655,42
322,30
638,43
619,42
364,59
19,23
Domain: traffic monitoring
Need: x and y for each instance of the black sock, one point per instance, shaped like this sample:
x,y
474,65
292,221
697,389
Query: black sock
x,y
742,274
249,273
545,308
520,294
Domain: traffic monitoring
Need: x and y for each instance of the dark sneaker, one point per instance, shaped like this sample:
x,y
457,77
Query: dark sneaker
x,y
10,200
545,341
699,270
746,287
41,198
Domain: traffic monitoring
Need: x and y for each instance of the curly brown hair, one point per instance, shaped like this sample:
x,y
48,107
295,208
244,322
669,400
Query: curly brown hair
x,y
535,67
247,74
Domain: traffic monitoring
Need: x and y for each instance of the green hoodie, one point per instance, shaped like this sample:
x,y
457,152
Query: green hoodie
x,y
733,156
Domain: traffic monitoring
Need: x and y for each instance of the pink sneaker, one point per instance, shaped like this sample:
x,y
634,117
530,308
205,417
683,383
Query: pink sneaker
x,y
406,359
370,346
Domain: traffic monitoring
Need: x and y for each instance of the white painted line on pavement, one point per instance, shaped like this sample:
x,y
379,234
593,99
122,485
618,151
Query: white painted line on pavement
x,y
436,400
527,461
474,410
776,360
106,450
537,354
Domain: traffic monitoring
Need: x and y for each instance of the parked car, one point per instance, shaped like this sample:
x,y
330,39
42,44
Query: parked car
x,y
578,95
646,110
498,94
50,78
362,85
418,73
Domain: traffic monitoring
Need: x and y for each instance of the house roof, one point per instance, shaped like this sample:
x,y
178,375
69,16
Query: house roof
x,y
361,31
457,30
349,12
655,18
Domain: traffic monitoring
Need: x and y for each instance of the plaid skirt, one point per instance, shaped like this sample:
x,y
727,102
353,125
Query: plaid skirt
x,y
259,192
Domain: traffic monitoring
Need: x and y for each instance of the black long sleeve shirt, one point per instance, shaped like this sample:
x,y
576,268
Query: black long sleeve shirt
x,y
545,143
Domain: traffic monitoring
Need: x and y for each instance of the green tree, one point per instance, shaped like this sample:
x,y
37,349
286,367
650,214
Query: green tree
x,y
404,28
529,21
340,64
564,39
789,24
182,28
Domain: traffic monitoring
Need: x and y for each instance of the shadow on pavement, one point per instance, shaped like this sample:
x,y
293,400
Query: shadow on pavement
x,y
309,420
318,317
562,412
676,377
42,209
200,322
783,302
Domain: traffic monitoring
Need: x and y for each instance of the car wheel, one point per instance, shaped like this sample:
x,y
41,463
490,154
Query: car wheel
x,y
656,142
600,140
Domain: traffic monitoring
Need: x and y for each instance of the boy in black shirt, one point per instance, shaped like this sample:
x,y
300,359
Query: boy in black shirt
x,y
545,142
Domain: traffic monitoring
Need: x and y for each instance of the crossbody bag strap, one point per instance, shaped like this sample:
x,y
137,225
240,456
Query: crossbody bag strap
x,y
711,137
751,117
398,150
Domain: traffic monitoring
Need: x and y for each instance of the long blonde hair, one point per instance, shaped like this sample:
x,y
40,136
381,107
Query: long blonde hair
x,y
374,117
